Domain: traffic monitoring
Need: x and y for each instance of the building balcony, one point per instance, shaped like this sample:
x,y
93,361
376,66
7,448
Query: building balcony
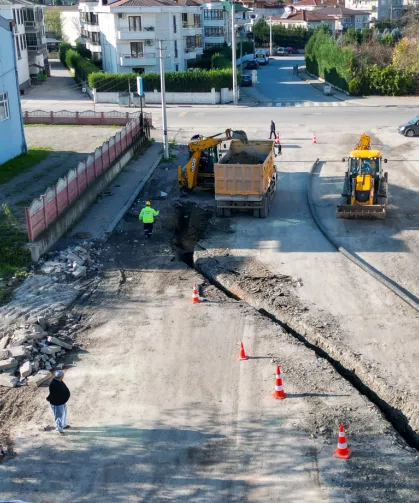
x,y
192,29
93,46
37,48
190,53
33,26
90,27
148,59
136,35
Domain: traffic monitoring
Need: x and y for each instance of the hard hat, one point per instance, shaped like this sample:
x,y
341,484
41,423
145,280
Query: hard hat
x,y
147,203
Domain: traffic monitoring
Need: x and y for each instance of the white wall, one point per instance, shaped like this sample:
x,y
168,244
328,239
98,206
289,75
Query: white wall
x,y
70,26
110,58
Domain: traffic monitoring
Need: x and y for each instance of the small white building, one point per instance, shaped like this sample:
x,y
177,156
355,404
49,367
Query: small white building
x,y
125,33
70,22
12,136
379,9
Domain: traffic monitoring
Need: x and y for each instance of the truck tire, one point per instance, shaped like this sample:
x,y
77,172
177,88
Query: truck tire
x,y
256,213
265,208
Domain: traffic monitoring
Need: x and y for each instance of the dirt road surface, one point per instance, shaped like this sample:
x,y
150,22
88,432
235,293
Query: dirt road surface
x,y
162,411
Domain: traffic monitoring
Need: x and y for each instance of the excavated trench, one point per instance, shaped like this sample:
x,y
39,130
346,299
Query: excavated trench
x,y
192,223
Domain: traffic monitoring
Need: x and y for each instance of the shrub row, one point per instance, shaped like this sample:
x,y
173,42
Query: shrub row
x,y
388,81
72,59
196,81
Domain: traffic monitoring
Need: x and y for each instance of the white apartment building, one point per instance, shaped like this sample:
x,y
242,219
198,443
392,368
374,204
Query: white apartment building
x,y
125,33
30,41
379,9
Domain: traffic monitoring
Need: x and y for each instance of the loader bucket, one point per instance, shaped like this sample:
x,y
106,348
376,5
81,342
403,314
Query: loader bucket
x,y
357,211
239,135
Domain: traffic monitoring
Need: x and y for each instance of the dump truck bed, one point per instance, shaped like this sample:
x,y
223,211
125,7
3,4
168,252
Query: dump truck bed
x,y
245,171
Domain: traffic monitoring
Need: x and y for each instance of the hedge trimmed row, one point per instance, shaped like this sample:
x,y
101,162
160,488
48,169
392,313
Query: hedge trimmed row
x,y
183,82
388,81
72,59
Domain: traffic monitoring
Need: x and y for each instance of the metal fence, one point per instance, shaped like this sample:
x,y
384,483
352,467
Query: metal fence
x,y
44,210
88,117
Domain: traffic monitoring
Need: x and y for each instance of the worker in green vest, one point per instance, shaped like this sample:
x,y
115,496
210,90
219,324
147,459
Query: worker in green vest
x,y
147,215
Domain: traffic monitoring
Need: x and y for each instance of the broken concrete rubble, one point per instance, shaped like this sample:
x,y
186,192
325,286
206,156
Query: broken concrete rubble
x,y
4,341
39,378
8,364
8,380
4,354
17,351
50,350
26,369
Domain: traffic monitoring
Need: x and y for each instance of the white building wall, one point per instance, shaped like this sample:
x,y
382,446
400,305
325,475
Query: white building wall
x,y
70,26
107,28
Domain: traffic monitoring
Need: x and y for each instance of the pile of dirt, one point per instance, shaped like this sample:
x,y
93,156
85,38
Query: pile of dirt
x,y
242,158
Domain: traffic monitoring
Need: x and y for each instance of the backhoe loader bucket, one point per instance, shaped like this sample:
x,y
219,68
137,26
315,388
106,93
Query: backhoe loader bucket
x,y
239,135
357,211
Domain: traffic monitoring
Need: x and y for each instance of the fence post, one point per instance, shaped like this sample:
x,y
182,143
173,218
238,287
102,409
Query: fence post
x,y
56,200
28,222
66,187
44,211
77,117
102,118
51,115
77,178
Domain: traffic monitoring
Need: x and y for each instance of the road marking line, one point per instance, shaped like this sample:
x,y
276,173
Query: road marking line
x,y
325,104
182,114
335,104
279,104
298,105
306,104
343,104
316,104
270,104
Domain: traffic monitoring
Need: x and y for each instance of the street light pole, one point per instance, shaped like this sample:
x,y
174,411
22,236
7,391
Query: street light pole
x,y
270,36
163,102
233,54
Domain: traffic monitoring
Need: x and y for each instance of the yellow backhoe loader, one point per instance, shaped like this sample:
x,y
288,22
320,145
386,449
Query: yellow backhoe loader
x,y
203,153
365,186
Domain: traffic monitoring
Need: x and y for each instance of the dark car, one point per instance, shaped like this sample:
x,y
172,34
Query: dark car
x,y
252,65
410,128
246,80
291,50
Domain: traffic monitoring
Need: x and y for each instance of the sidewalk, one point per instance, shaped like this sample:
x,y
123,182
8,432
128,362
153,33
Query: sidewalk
x,y
103,216
366,101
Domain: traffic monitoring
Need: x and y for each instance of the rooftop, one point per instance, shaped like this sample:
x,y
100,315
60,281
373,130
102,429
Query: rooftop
x,y
24,3
318,3
155,3
319,15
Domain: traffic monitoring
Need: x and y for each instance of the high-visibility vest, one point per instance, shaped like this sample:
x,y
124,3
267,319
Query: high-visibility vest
x,y
147,215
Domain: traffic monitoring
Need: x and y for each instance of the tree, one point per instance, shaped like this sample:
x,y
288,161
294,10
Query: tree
x,y
261,31
53,23
406,55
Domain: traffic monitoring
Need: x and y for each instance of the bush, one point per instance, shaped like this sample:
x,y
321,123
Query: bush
x,y
81,66
64,47
84,53
197,81
218,61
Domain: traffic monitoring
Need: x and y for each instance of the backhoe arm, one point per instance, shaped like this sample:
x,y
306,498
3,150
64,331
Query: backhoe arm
x,y
188,175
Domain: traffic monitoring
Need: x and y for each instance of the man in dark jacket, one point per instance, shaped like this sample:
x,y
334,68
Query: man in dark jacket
x,y
58,397
273,130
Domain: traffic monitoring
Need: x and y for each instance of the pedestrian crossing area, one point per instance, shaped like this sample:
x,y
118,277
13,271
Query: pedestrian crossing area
x,y
307,104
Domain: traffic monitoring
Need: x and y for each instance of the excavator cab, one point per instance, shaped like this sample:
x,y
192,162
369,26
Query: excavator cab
x,y
365,186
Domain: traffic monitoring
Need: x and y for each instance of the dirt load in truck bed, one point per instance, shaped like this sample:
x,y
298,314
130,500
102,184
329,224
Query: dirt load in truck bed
x,y
242,158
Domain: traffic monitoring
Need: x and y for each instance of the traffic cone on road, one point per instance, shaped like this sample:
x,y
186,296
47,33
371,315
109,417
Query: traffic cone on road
x,y
242,353
279,392
314,139
342,450
195,296
277,139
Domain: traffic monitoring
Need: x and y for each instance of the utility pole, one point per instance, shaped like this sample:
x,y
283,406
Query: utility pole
x,y
129,92
163,102
270,36
241,54
233,53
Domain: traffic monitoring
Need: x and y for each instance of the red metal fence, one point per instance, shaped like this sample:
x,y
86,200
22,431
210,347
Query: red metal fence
x,y
88,117
44,210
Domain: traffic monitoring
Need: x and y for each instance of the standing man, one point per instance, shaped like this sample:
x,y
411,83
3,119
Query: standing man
x,y
273,132
147,215
58,397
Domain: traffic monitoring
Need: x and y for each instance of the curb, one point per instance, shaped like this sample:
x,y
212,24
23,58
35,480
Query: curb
x,y
397,289
138,189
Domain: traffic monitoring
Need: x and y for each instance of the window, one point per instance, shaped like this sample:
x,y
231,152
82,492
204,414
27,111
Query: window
x,y
190,43
185,20
217,45
214,31
174,24
197,20
176,68
22,42
198,41
176,51
213,14
14,15
134,23
4,107
96,38
19,55
137,50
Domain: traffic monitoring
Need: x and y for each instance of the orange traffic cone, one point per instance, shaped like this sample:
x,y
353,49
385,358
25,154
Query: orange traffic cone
x,y
277,139
195,296
342,450
314,139
279,392
242,353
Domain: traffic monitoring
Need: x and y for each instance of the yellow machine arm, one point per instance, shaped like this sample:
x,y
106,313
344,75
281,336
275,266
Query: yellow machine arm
x,y
364,143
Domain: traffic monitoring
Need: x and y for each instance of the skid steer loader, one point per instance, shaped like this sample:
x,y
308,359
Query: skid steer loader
x,y
365,188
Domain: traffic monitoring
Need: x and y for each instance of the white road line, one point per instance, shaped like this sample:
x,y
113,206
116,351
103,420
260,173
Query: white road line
x,y
316,104
279,104
335,104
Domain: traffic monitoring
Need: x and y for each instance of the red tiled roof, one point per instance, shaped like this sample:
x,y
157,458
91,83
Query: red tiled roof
x,y
326,14
155,3
318,3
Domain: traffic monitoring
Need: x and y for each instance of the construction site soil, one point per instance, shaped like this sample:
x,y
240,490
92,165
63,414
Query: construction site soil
x,y
242,158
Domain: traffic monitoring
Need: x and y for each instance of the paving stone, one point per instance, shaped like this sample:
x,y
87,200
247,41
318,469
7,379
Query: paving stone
x,y
26,369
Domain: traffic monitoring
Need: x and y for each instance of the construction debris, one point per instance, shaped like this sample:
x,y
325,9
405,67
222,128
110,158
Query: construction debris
x,y
242,158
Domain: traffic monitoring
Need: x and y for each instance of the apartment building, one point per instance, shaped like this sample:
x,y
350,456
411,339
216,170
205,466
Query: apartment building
x,y
379,9
125,33
12,136
217,23
30,41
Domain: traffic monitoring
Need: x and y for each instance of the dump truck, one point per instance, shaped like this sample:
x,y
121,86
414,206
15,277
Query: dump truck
x,y
365,188
246,178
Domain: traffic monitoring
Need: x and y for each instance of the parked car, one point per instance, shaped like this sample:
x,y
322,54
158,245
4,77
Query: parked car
x,y
261,57
281,51
246,80
252,65
291,50
410,128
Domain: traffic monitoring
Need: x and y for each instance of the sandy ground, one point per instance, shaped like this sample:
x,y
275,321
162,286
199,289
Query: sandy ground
x,y
161,409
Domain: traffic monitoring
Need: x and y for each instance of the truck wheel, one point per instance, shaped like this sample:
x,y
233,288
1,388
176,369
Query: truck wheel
x,y
256,213
265,208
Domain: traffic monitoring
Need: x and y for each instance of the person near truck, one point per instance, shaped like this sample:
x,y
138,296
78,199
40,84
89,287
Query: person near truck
x,y
147,215
58,397
273,130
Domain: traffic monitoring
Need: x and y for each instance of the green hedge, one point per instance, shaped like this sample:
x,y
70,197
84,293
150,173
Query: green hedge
x,y
64,47
388,81
218,61
205,61
72,59
195,81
